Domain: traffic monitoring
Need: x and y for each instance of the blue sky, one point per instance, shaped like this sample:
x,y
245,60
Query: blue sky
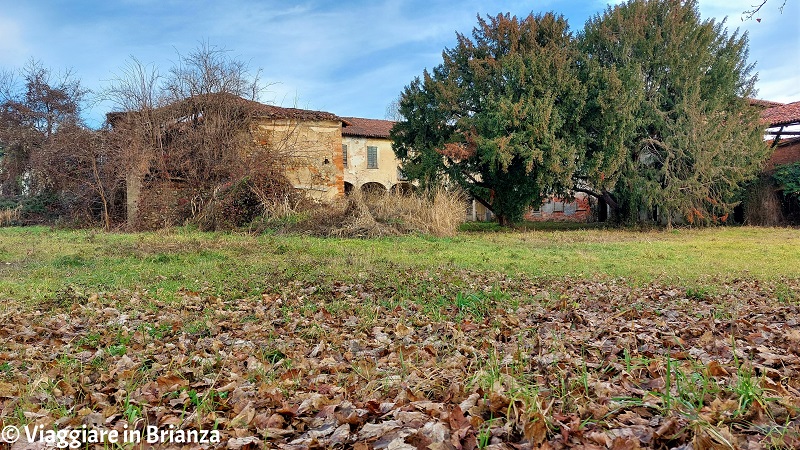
x,y
351,58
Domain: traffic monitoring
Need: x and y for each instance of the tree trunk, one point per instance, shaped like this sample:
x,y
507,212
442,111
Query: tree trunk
x,y
606,197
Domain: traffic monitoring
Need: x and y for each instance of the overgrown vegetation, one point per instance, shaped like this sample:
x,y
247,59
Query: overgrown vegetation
x,y
184,137
437,212
773,199
51,165
788,178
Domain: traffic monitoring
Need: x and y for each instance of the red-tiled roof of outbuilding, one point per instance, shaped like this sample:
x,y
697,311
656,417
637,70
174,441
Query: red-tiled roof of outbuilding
x,y
782,115
375,128
763,103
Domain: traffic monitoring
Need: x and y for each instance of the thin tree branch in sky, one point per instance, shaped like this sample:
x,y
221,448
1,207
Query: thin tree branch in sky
x,y
748,14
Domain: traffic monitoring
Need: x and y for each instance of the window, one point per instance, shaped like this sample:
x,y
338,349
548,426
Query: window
x,y
372,157
344,155
558,206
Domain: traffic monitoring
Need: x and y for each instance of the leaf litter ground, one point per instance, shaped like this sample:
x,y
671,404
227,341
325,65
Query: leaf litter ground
x,y
418,363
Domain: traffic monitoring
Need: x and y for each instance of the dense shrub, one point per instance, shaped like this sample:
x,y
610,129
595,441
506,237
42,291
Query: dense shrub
x,y
236,204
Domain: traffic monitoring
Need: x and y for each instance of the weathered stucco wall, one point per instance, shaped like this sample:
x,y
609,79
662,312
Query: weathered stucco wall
x,y
357,173
313,151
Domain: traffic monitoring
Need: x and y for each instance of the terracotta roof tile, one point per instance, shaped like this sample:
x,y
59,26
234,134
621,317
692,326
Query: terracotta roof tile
x,y
278,112
782,115
367,127
763,103
257,109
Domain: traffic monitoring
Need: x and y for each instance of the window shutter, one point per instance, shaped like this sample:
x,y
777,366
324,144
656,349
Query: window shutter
x,y
372,157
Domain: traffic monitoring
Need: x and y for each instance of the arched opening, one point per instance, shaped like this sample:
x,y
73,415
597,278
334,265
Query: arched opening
x,y
373,188
348,188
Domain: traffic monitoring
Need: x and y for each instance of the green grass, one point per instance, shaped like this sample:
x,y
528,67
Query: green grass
x,y
66,266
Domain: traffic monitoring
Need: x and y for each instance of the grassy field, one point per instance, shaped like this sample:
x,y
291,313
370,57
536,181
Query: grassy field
x,y
36,263
600,338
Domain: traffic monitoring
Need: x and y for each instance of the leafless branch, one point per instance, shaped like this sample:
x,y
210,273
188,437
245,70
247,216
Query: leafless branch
x,y
750,13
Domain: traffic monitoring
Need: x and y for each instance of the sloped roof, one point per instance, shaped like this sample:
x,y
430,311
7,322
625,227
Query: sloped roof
x,y
270,111
782,115
763,103
374,128
256,109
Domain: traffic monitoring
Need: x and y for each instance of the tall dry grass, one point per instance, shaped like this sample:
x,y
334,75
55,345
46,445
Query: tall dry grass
x,y
436,212
9,216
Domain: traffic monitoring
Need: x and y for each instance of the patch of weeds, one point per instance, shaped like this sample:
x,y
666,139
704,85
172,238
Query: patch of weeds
x,y
131,411
6,368
272,355
488,375
692,387
207,402
310,306
157,332
485,432
19,415
67,296
482,227
117,349
435,309
161,258
785,294
337,307
779,437
198,328
748,389
700,292
476,305
70,261
313,332
249,318
98,362
91,340
122,337
67,362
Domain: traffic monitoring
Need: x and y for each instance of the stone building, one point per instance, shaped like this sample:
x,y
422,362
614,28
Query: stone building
x,y
369,160
306,143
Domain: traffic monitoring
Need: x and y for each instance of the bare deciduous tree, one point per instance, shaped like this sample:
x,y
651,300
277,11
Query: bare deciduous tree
x,y
49,152
190,129
80,165
754,9
31,114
